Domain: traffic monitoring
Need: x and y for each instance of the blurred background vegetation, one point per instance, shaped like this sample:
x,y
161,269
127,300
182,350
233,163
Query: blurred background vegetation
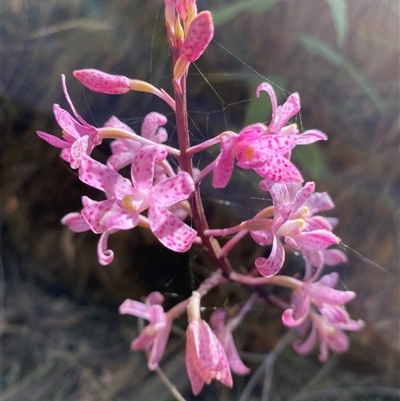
x,y
62,338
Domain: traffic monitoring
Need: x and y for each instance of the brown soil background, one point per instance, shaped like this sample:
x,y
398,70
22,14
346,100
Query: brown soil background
x,y
62,337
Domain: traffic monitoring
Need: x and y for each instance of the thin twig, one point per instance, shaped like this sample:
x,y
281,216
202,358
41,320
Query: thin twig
x,y
174,391
267,368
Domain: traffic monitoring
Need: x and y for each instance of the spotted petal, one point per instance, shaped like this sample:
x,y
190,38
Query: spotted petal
x,y
170,231
107,215
172,190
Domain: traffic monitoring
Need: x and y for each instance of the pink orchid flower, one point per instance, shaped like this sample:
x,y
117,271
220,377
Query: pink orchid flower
x,y
126,200
330,328
79,137
154,336
124,150
291,221
263,153
317,293
266,149
205,356
329,324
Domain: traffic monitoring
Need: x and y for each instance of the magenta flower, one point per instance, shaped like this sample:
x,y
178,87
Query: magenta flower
x,y
205,356
291,222
263,153
330,328
154,336
79,137
329,324
317,293
266,149
126,200
124,150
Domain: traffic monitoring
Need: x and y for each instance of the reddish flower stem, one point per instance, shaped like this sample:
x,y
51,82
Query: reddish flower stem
x,y
210,244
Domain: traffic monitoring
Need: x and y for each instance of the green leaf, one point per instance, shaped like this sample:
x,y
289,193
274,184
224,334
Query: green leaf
x,y
316,47
226,13
339,17
311,160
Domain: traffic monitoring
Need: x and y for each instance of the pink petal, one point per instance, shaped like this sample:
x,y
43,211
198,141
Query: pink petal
x,y
278,169
251,132
334,314
217,319
79,149
120,160
107,215
205,353
142,170
279,194
99,176
310,136
53,140
99,81
316,240
330,280
172,190
333,257
75,222
154,298
142,341
104,255
223,370
261,148
284,113
297,315
317,222
235,362
196,380
151,124
304,348
170,231
262,237
338,341
66,121
269,267
115,122
222,170
135,308
199,35
320,201
324,294
303,194
158,347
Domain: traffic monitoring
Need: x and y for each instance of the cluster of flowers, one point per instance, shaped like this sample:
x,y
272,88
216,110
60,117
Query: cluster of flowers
x,y
161,199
